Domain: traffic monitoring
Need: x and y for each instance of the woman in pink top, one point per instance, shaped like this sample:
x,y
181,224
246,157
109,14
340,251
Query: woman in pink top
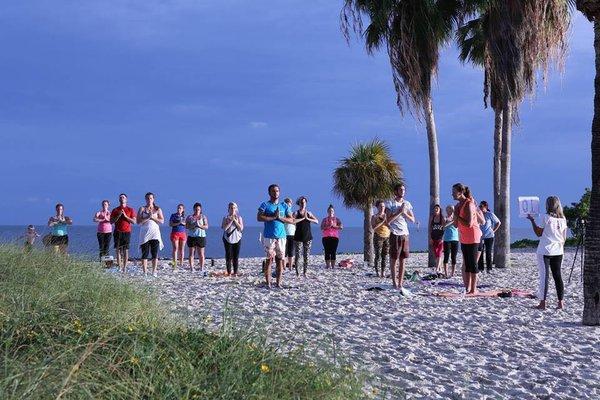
x,y
468,218
331,227
104,234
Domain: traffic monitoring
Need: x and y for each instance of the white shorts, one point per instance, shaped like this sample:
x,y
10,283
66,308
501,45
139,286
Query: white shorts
x,y
274,247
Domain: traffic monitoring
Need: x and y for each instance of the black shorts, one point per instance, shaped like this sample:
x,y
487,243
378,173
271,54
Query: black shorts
x,y
289,246
122,239
194,241
150,249
59,240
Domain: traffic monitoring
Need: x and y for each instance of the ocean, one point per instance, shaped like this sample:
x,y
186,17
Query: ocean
x,y
83,242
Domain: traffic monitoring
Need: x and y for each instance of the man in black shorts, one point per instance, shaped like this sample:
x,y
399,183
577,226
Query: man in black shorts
x,y
122,216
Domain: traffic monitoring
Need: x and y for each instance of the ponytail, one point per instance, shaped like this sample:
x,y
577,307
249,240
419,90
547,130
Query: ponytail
x,y
468,194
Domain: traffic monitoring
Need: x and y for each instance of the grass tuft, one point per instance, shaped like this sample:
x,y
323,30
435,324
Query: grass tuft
x,y
69,331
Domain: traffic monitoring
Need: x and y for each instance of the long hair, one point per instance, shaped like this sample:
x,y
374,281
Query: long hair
x,y
554,208
460,188
156,207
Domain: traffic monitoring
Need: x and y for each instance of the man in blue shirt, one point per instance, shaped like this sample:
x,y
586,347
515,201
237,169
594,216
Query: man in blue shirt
x,y
488,230
274,215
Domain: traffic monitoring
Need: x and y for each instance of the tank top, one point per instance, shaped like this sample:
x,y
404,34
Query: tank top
x,y
469,234
232,234
383,231
437,228
303,232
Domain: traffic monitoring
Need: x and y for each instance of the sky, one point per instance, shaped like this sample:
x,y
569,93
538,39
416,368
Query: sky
x,y
213,101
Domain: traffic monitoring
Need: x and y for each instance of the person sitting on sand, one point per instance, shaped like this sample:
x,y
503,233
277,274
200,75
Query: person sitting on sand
x,y
29,236
104,231
330,228
122,216
381,237
274,215
450,242
399,210
178,236
233,226
60,238
149,218
197,224
303,235
467,219
550,250
488,231
290,231
436,236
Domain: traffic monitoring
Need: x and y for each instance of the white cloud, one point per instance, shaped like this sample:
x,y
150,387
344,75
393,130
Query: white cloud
x,y
258,124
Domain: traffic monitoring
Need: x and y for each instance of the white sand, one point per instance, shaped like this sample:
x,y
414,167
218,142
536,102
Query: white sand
x,y
427,346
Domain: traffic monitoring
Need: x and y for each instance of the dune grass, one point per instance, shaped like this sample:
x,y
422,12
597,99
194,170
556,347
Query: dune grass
x,y
69,331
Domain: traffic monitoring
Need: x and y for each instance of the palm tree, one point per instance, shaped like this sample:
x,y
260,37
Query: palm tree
x,y
591,266
512,39
413,32
367,174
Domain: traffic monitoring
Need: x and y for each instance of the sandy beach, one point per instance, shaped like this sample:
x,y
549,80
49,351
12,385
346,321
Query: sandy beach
x,y
424,345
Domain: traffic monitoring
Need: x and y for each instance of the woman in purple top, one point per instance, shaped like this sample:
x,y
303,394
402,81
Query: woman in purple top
x,y
178,235
102,218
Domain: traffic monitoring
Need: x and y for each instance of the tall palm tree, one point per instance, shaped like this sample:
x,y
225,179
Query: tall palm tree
x,y
412,32
514,39
591,266
367,174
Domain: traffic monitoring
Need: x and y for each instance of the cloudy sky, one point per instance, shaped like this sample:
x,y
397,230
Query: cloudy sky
x,y
212,101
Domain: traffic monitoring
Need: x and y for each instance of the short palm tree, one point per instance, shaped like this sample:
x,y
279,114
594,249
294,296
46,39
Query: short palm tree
x,y
367,174
513,40
591,266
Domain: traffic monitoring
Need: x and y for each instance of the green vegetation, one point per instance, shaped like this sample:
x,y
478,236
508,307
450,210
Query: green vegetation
x,y
529,243
578,212
69,331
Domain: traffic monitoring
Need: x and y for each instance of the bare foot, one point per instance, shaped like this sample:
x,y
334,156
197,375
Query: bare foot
x,y
541,306
560,305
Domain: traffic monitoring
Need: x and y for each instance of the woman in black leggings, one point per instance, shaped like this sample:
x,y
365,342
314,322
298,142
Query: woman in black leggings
x,y
232,226
331,227
550,251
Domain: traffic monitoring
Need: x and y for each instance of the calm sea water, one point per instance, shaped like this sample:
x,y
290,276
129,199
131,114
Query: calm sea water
x,y
83,242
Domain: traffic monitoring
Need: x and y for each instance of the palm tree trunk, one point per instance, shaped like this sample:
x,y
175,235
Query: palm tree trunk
x,y
434,166
502,256
497,167
591,266
368,233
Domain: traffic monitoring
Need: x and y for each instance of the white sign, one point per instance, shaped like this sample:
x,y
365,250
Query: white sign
x,y
529,205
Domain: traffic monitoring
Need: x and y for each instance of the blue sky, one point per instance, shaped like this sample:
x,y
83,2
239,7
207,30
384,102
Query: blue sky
x,y
212,101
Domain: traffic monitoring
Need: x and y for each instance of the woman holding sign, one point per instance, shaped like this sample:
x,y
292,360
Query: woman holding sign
x,y
468,218
550,250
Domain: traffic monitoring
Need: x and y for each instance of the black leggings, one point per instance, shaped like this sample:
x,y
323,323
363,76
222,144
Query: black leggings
x,y
330,244
450,250
232,255
488,245
103,242
469,252
553,263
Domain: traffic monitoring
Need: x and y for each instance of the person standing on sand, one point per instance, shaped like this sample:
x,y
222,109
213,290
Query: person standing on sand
x,y
197,224
104,231
467,219
58,223
550,250
274,215
488,231
381,237
436,236
331,227
178,236
290,231
233,226
450,241
398,212
149,218
122,216
303,235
